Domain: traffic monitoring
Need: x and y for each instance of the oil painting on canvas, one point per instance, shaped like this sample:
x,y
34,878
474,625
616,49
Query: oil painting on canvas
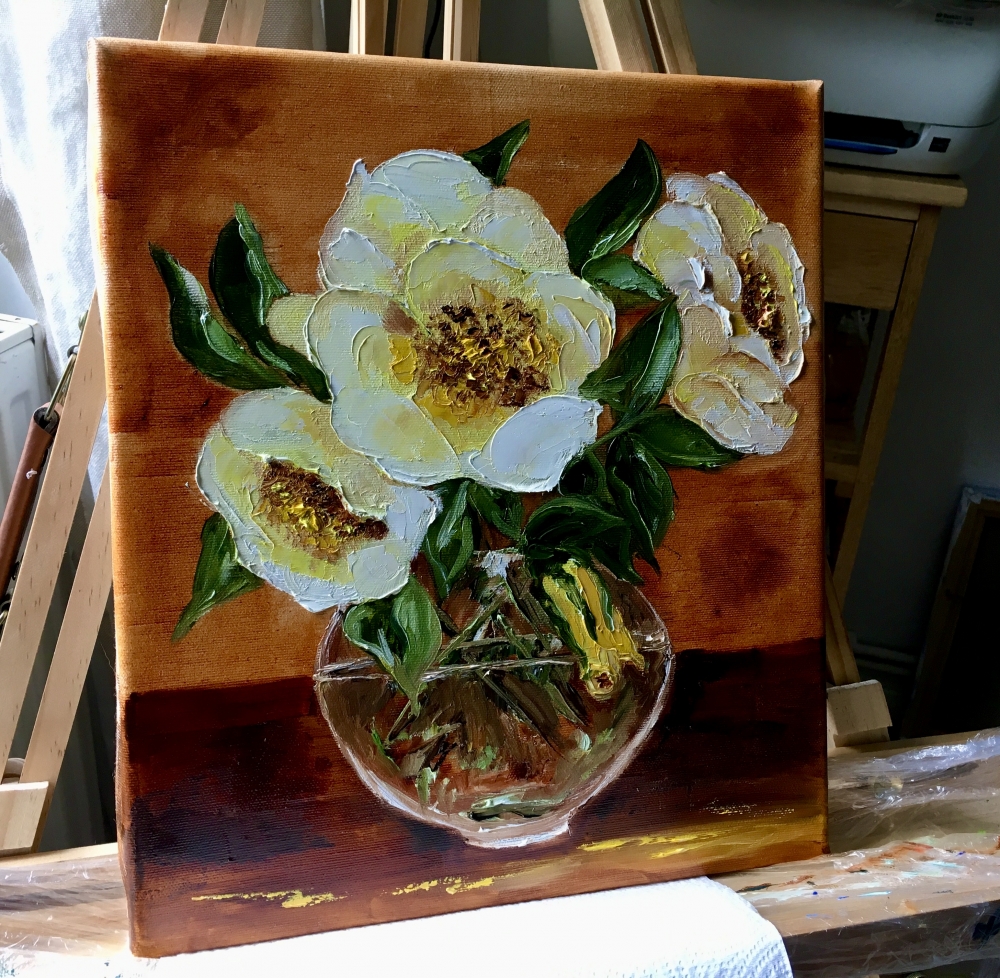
x,y
465,447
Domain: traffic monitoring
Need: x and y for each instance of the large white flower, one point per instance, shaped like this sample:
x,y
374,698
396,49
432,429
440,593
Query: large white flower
x,y
741,297
454,335
309,516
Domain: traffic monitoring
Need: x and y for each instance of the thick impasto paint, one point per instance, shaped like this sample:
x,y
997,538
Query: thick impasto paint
x,y
443,495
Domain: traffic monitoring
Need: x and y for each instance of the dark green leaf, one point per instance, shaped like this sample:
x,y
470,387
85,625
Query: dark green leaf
x,y
200,339
643,492
499,507
493,159
585,476
676,441
218,576
245,286
449,542
369,626
418,625
609,219
637,373
624,281
579,527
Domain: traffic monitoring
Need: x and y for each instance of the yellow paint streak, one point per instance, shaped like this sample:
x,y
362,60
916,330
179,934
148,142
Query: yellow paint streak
x,y
290,899
460,886
647,840
415,887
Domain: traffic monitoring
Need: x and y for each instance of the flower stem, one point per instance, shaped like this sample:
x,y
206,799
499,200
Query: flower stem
x,y
473,625
621,427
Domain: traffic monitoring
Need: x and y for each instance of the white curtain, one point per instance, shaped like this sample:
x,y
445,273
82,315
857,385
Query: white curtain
x,y
45,234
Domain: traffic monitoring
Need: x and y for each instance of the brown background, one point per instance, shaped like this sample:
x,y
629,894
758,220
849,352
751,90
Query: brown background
x,y
229,782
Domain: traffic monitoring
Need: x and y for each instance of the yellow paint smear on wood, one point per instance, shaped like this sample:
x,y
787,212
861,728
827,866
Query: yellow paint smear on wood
x,y
290,899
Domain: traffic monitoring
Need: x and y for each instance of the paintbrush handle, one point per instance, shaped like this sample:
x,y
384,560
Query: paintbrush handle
x,y
17,512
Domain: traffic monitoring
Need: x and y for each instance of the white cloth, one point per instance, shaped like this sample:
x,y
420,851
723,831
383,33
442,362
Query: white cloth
x,y
44,230
691,929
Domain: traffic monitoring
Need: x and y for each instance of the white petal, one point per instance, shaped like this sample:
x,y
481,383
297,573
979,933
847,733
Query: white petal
x,y
394,224
529,451
442,185
336,320
352,261
735,421
511,223
450,272
585,321
706,333
395,433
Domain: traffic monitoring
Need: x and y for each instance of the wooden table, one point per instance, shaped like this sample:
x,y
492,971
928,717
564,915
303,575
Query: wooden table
x,y
879,231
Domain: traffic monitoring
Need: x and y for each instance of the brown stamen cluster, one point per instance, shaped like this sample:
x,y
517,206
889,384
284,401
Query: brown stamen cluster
x,y
311,511
479,357
760,303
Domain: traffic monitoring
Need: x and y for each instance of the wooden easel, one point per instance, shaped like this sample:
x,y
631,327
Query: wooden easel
x,y
622,41
24,804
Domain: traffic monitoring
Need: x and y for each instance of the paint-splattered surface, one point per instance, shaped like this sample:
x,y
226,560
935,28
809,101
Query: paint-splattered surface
x,y
240,820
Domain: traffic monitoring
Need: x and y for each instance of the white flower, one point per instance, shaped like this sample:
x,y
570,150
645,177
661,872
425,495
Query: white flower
x,y
741,297
454,335
309,516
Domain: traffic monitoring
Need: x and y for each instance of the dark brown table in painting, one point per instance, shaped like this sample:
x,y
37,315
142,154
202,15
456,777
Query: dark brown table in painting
x,y
236,807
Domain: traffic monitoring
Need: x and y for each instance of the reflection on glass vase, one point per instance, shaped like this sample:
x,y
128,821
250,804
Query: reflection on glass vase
x,y
543,693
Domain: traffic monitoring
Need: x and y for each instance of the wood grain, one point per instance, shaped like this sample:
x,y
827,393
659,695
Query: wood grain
x,y
224,723
618,35
183,20
669,34
461,30
865,258
904,187
73,652
241,22
21,807
46,543
411,25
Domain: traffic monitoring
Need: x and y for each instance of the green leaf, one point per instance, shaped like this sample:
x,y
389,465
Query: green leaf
x,y
585,476
609,219
676,441
369,627
579,527
218,576
493,159
499,507
200,339
637,373
418,625
449,542
245,286
643,492
624,281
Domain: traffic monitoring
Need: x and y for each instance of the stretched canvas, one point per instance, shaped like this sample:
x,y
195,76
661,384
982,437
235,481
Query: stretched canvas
x,y
466,459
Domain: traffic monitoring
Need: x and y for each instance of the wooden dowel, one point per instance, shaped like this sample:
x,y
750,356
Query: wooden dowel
x,y
461,30
839,654
73,652
57,502
618,35
183,20
411,25
241,22
368,26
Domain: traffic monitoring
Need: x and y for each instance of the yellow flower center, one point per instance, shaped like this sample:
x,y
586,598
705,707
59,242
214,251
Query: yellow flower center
x,y
311,512
472,360
760,303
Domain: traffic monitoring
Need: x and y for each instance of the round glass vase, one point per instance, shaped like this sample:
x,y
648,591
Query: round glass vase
x,y
506,739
